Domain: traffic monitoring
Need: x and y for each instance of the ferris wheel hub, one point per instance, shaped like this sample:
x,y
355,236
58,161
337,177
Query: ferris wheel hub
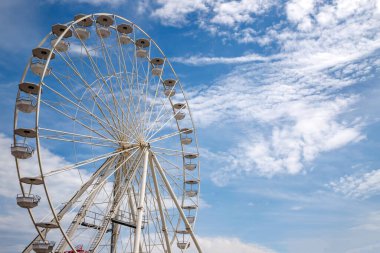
x,y
144,144
125,146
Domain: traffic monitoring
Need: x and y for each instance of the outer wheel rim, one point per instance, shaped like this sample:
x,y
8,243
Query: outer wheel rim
x,y
39,98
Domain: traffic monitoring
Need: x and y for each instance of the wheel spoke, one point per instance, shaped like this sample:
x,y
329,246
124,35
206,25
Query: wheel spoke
x,y
85,162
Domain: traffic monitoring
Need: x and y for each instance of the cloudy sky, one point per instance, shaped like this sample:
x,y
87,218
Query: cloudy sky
x,y
285,100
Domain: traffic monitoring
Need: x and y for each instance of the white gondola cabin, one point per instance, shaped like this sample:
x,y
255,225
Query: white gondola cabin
x,y
183,245
22,151
38,67
60,46
103,32
157,66
191,193
169,92
183,232
124,30
186,131
169,82
180,116
124,39
81,32
191,184
189,207
47,224
141,45
186,140
58,30
192,181
179,106
30,88
28,201
191,156
32,180
25,104
103,23
26,132
41,246
190,219
40,55
190,166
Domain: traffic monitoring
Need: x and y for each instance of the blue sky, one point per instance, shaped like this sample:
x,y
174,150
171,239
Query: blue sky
x,y
285,99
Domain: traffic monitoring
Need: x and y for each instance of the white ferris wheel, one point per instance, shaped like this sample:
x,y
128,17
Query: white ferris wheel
x,y
99,92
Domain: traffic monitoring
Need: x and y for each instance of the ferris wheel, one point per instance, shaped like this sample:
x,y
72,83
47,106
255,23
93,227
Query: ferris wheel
x,y
104,142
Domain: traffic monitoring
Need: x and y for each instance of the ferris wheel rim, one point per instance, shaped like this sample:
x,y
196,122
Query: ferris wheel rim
x,y
38,147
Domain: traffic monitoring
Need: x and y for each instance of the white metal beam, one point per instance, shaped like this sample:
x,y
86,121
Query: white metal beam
x,y
171,192
140,208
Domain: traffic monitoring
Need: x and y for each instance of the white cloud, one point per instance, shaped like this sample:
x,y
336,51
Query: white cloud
x,y
326,16
296,208
248,35
8,176
371,222
290,118
291,106
79,50
360,186
299,11
174,12
204,60
203,204
95,2
286,149
220,12
224,245
230,13
234,19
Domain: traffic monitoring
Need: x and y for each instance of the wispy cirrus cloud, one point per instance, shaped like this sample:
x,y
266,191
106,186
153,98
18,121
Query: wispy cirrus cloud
x,y
212,13
206,60
362,186
295,113
234,19
230,13
224,245
294,108
94,2
290,131
174,13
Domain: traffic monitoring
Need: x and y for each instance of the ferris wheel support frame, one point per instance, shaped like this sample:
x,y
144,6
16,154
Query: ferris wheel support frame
x,y
163,220
172,194
140,208
111,213
84,208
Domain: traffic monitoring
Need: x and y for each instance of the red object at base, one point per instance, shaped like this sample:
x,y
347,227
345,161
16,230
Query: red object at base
x,y
79,249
